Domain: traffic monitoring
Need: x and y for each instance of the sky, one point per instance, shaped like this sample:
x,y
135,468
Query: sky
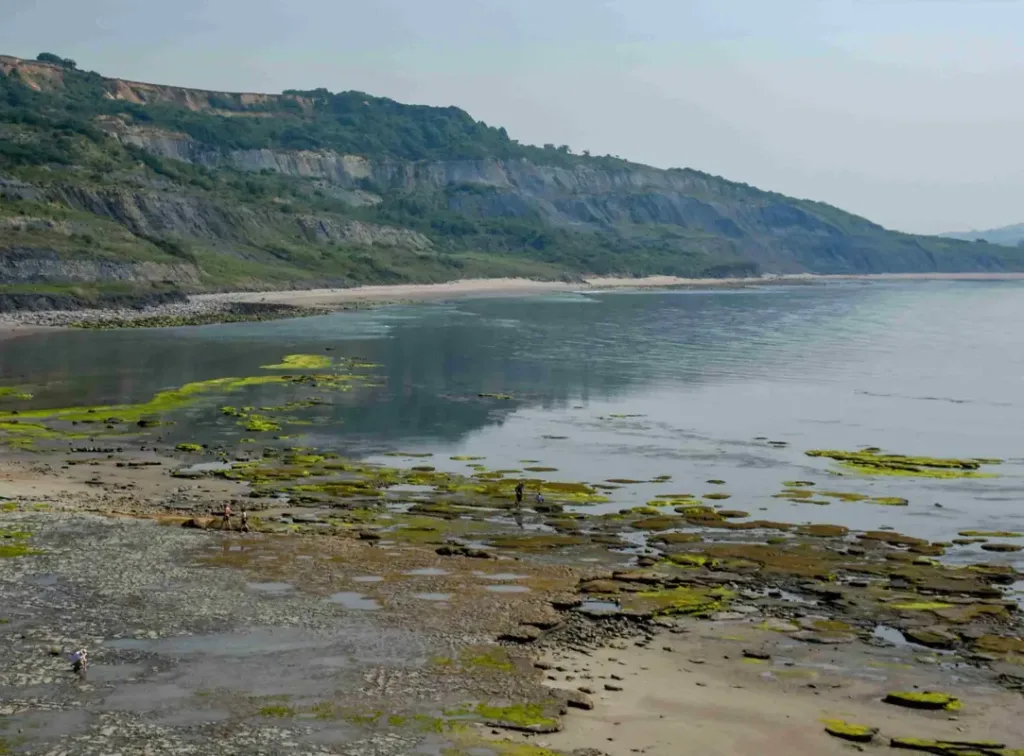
x,y
908,112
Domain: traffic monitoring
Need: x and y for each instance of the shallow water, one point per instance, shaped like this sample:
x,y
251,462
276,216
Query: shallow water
x,y
426,572
271,587
630,385
432,596
351,600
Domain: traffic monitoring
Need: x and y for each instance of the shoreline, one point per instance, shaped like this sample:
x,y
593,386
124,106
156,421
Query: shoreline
x,y
248,306
469,287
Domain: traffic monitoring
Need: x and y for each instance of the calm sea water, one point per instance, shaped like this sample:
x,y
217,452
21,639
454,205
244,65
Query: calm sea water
x,y
932,368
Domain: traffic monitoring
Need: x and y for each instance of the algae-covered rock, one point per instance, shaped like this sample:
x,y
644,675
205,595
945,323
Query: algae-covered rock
x,y
932,637
690,560
189,448
1003,548
531,718
540,542
923,700
645,511
989,534
952,747
843,495
855,733
696,601
658,523
1000,644
717,496
871,461
823,531
674,538
889,501
891,538
302,362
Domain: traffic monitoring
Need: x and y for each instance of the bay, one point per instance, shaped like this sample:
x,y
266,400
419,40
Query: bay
x,y
684,383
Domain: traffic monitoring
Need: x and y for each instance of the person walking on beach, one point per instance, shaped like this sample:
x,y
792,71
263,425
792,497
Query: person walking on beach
x,y
519,493
245,521
226,524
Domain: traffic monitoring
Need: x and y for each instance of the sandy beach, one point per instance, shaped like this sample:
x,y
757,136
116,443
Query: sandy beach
x,y
480,287
203,309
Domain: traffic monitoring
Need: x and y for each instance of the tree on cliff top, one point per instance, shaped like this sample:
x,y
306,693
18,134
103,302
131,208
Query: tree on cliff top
x,y
45,57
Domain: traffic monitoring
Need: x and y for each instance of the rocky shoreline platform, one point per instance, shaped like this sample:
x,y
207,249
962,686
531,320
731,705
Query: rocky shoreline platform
x,y
191,312
311,637
406,608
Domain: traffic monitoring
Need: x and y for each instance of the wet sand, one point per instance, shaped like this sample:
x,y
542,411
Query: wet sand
x,y
697,689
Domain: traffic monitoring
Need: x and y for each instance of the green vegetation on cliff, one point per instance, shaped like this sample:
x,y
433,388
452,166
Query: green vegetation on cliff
x,y
105,182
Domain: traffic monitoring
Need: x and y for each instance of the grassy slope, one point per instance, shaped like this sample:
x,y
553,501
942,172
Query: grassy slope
x,y
50,140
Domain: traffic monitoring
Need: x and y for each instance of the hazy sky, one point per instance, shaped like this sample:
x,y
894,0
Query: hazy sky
x,y
906,111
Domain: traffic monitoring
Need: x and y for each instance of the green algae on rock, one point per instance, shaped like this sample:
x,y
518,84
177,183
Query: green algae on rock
x,y
674,538
695,601
923,700
920,606
302,362
856,733
954,747
190,448
260,424
843,495
277,710
989,534
873,462
1000,644
529,717
823,531
13,544
889,501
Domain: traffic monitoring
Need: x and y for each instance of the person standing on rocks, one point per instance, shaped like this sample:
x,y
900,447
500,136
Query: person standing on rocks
x,y
245,521
79,662
226,524
519,493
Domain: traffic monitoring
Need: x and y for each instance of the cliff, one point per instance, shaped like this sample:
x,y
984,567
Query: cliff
x,y
111,180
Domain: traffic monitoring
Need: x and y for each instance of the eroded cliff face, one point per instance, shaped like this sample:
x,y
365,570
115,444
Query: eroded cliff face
x,y
44,77
566,196
32,266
